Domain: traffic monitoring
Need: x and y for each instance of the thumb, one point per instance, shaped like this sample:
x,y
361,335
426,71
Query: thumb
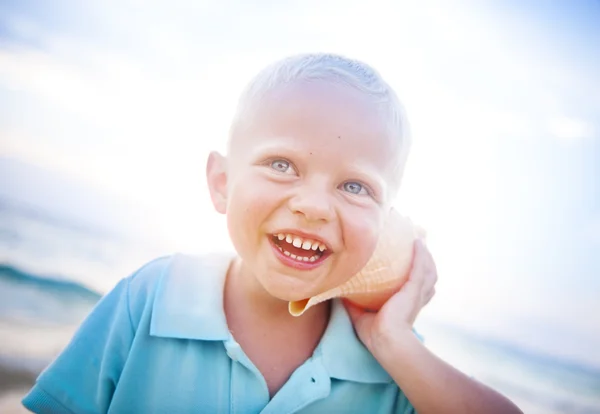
x,y
354,311
361,319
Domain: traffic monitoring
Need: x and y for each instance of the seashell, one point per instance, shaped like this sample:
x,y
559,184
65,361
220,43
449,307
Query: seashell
x,y
383,275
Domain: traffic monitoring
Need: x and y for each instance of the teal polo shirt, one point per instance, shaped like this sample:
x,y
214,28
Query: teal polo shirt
x,y
159,343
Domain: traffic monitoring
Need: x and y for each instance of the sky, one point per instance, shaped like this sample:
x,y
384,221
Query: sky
x,y
503,97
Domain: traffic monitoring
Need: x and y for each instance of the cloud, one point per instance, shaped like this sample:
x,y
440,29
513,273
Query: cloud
x,y
591,232
569,129
152,89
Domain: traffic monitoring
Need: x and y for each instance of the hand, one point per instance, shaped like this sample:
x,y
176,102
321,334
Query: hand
x,y
398,314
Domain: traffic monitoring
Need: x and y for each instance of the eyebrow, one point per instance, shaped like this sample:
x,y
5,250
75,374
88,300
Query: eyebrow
x,y
276,146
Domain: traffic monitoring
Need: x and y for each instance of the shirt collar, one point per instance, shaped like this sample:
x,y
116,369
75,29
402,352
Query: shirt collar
x,y
189,305
189,299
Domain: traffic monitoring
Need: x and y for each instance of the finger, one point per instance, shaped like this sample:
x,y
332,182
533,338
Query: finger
x,y
430,294
423,277
418,270
404,301
428,288
426,259
427,264
430,279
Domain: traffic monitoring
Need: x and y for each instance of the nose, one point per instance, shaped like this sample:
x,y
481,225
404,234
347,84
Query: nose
x,y
312,203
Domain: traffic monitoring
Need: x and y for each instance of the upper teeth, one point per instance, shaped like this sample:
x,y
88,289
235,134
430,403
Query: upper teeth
x,y
306,244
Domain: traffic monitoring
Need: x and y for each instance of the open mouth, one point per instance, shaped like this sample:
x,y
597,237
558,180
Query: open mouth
x,y
300,249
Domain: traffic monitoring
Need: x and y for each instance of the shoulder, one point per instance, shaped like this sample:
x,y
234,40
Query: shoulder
x,y
183,269
142,283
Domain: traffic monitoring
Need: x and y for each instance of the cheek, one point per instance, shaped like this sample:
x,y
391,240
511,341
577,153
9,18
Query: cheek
x,y
252,202
248,207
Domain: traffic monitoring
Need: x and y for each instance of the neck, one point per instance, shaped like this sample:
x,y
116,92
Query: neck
x,y
246,298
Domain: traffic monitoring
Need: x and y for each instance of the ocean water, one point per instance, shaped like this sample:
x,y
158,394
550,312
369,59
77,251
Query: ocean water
x,y
52,272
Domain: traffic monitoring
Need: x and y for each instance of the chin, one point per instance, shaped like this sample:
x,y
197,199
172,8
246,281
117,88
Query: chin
x,y
287,288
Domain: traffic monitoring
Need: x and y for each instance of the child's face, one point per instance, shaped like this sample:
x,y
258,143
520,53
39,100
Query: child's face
x,y
316,162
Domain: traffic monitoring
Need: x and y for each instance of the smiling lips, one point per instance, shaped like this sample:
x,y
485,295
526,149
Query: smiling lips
x,y
299,248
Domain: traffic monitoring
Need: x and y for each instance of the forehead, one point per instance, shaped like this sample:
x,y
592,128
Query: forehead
x,y
334,120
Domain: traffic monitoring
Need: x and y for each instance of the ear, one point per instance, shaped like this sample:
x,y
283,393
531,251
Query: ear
x,y
216,177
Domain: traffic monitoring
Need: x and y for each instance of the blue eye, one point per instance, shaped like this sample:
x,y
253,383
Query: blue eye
x,y
280,165
354,188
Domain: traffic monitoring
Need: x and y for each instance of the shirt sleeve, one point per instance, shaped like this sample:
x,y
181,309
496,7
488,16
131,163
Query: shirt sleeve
x,y
82,379
403,406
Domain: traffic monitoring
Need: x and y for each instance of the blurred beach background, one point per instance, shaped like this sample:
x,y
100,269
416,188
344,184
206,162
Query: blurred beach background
x,y
108,110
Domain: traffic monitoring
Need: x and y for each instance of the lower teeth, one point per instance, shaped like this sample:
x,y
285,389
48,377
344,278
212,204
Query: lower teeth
x,y
299,258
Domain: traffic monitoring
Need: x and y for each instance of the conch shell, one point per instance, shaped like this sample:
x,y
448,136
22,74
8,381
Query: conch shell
x,y
383,275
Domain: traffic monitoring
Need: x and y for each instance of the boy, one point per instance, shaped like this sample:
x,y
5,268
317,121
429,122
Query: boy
x,y
315,156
